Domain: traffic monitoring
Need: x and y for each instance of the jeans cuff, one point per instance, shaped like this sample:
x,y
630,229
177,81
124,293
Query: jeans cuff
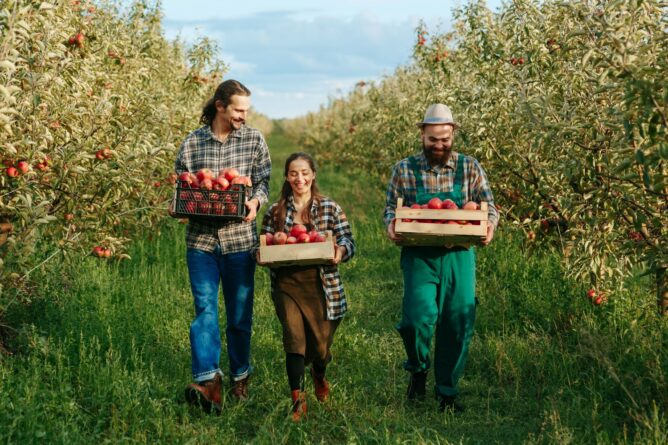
x,y
208,375
243,375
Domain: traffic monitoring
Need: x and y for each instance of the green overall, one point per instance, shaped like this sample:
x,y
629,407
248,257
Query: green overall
x,y
439,291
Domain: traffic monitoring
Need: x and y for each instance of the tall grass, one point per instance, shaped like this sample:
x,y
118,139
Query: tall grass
x,y
102,352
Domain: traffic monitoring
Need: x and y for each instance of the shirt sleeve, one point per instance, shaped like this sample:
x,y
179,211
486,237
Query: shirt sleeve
x,y
481,191
179,164
261,172
392,194
342,233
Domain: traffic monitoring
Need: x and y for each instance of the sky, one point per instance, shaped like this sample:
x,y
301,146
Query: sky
x,y
294,55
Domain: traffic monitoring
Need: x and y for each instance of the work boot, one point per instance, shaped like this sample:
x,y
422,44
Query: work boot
x,y
416,386
205,394
321,386
239,389
299,407
447,403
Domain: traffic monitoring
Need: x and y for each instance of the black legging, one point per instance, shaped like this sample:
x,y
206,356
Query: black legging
x,y
294,364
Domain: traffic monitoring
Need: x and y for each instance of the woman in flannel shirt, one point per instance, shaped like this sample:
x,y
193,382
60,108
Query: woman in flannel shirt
x,y
309,300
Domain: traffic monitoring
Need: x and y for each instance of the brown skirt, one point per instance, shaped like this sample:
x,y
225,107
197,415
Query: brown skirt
x,y
300,304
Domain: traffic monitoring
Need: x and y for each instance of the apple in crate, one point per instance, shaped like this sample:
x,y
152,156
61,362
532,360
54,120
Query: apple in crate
x,y
280,238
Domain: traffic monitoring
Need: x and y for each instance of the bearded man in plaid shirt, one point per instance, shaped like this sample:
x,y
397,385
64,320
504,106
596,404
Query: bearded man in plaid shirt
x,y
223,251
439,282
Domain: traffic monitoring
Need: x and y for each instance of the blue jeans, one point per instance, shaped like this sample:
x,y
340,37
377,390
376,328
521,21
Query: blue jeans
x,y
237,271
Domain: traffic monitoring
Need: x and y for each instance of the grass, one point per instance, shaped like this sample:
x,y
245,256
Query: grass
x,y
102,352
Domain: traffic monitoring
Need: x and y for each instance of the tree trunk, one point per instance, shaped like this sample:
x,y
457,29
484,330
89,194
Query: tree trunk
x,y
662,290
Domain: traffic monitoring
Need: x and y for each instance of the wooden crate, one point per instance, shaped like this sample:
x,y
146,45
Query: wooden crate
x,y
297,254
211,205
439,234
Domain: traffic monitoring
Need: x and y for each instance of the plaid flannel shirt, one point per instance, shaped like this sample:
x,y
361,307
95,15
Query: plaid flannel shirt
x,y
437,179
325,215
244,149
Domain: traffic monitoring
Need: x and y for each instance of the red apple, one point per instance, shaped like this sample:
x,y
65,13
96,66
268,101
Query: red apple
x,y
280,238
471,205
269,237
218,208
416,206
99,155
106,152
79,39
69,217
231,209
220,183
203,174
434,203
23,166
185,179
304,238
297,230
591,293
230,173
190,207
12,172
194,182
204,207
449,204
213,196
291,240
206,184
313,236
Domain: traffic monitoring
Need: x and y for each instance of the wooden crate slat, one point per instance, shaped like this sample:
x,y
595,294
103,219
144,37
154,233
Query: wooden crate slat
x,y
297,254
441,234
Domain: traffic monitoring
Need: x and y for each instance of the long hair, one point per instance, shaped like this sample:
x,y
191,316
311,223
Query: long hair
x,y
281,209
223,93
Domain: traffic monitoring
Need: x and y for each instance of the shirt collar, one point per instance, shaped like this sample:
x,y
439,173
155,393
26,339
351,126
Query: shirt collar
x,y
208,133
292,208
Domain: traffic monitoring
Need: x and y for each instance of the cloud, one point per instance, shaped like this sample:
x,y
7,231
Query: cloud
x,y
294,56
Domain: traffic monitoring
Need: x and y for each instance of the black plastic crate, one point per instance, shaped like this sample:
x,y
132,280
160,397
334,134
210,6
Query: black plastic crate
x,y
215,205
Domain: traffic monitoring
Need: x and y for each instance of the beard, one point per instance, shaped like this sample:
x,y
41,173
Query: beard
x,y
440,158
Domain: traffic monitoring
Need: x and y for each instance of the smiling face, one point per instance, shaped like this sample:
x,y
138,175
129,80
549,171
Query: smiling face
x,y
437,142
234,115
300,176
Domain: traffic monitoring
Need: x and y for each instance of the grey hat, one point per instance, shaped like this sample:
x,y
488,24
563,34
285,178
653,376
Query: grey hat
x,y
438,114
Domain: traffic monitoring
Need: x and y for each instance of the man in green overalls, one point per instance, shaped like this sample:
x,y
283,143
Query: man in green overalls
x,y
439,282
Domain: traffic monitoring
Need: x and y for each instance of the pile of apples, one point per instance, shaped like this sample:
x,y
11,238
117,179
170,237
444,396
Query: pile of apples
x,y
101,252
446,204
204,179
298,234
210,194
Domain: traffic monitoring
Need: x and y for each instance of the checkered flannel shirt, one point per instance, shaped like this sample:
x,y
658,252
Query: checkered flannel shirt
x,y
438,179
244,149
325,215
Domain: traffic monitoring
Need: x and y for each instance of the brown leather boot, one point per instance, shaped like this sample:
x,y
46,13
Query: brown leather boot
x,y
321,386
206,394
299,407
239,389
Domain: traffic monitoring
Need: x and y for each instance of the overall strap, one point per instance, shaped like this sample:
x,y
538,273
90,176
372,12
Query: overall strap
x,y
418,175
458,181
